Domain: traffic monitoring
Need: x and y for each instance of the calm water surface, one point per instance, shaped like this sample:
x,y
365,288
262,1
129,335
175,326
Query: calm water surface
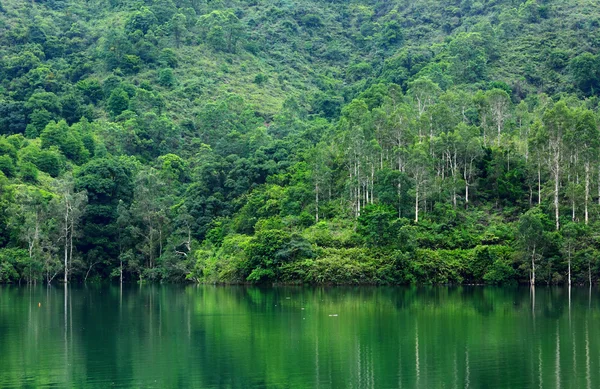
x,y
242,337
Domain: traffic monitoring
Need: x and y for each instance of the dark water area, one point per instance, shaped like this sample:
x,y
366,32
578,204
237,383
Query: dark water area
x,y
298,337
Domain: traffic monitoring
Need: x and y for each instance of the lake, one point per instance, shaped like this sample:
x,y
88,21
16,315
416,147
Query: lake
x,y
298,337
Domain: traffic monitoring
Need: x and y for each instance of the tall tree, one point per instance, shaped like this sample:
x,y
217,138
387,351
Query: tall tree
x,y
558,121
531,237
69,207
586,140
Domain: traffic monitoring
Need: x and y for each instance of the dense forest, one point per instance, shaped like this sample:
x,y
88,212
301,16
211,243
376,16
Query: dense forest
x,y
314,141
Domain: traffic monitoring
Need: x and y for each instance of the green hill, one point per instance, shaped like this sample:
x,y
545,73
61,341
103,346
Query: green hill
x,y
303,142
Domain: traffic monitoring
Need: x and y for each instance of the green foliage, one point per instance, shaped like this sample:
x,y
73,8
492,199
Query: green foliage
x,y
28,173
469,57
66,139
118,102
7,166
585,70
221,30
12,262
142,20
396,142
376,225
166,77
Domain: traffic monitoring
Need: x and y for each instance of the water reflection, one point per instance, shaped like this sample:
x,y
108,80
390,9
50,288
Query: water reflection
x,y
234,337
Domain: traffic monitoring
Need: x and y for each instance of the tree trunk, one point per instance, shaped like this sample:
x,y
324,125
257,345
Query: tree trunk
x,y
316,203
66,239
539,184
569,266
417,203
399,200
556,184
587,190
71,241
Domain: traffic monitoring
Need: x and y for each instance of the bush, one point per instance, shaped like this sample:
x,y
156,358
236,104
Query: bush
x,y
28,172
166,77
349,266
7,166
11,261
376,225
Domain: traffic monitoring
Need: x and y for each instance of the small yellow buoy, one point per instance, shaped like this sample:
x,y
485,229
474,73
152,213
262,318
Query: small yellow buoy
x,y
39,305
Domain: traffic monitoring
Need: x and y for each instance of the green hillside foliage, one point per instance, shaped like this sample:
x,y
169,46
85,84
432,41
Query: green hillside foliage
x,y
313,141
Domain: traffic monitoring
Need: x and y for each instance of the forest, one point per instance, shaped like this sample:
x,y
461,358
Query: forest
x,y
300,142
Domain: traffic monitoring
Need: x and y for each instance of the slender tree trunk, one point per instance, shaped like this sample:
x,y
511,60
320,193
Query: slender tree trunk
x,y
417,202
160,241
569,266
358,199
499,130
66,239
399,200
556,186
466,185
587,190
316,203
598,184
372,183
71,242
539,183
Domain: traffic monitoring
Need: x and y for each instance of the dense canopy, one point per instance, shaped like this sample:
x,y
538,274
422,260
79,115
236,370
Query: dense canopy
x,y
312,141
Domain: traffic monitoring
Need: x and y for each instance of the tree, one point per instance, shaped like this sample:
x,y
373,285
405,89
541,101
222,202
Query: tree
x,y
107,181
150,219
558,121
30,219
143,20
469,150
573,235
68,141
468,56
531,237
321,173
221,29
418,167
585,70
118,102
69,208
585,139
499,103
376,225
178,27
424,92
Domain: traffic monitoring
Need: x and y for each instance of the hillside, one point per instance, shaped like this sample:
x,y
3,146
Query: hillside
x,y
302,142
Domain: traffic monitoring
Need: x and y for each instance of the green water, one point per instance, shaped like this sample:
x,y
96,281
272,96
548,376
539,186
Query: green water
x,y
238,337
